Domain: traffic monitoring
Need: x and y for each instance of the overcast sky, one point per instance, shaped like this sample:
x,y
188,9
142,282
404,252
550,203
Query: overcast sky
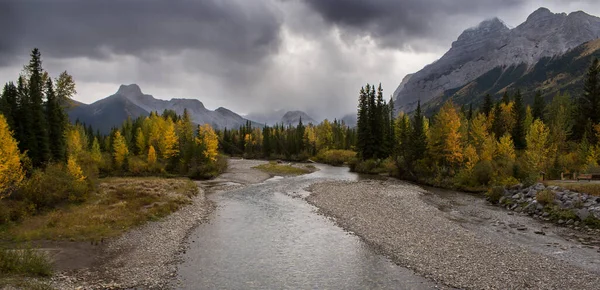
x,y
246,55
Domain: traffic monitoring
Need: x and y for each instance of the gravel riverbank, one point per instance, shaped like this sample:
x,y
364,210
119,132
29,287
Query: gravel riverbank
x,y
145,257
459,248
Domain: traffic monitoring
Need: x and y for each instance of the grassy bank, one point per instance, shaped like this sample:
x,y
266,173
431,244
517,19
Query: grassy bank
x,y
274,168
591,188
117,205
21,268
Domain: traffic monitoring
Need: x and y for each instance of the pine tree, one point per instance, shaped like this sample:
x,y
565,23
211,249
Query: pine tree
x,y
488,105
505,98
518,131
40,151
538,106
9,105
363,126
418,138
589,102
23,121
57,122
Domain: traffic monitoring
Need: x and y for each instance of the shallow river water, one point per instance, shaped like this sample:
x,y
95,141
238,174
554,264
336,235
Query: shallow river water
x,y
266,236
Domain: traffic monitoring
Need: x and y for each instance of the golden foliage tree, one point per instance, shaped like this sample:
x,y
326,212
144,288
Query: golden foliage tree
x,y
536,155
168,141
208,139
151,156
74,169
480,137
11,171
140,141
120,150
505,148
444,137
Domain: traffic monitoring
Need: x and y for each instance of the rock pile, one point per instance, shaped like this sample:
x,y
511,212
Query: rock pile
x,y
523,199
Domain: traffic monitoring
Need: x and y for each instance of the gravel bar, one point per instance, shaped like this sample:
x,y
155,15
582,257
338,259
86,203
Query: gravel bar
x,y
145,257
392,217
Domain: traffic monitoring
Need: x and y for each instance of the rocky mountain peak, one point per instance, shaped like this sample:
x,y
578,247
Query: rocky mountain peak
x,y
488,29
541,13
129,90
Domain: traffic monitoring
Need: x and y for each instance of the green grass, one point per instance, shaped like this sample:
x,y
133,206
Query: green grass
x,y
278,169
118,205
20,282
24,261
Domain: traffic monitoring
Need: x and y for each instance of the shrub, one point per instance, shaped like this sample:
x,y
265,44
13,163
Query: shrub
x,y
137,166
50,187
483,172
207,170
25,261
495,193
545,197
336,157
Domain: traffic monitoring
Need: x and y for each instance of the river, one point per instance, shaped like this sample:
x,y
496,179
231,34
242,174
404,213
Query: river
x,y
266,236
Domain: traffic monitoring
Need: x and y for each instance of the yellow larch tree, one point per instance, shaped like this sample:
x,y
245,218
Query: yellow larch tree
x,y
168,141
151,156
74,169
505,148
120,150
537,152
445,138
140,141
480,137
11,171
208,139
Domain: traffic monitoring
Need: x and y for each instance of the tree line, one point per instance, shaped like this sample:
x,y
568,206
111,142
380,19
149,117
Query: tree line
x,y
501,142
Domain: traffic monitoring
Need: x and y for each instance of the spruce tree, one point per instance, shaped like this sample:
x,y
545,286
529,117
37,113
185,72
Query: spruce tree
x,y
519,132
418,139
9,105
40,151
56,123
538,106
505,98
488,105
363,123
589,102
497,126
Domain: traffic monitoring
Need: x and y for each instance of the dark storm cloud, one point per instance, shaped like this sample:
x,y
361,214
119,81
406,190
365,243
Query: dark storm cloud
x,y
236,29
403,22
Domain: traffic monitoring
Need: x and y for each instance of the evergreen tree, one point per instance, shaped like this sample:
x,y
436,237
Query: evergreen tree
x,y
9,105
589,102
505,98
40,150
518,132
363,125
497,126
488,105
538,106
57,122
418,138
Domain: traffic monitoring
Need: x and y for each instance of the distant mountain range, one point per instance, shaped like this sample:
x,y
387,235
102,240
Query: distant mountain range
x,y
548,52
129,101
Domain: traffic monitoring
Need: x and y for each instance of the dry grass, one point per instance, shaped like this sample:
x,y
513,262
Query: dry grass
x,y
591,188
119,204
545,197
279,169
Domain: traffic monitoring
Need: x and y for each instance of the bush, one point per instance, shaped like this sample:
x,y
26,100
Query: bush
x,y
25,261
137,166
335,157
494,194
545,197
483,172
207,170
50,187
370,166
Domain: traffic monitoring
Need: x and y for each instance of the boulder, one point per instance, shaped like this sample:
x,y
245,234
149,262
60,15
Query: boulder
x,y
582,214
539,186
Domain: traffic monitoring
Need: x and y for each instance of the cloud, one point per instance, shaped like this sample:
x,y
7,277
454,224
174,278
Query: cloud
x,y
239,30
408,24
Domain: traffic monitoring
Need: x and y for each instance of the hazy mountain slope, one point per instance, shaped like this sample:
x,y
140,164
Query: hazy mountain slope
x,y
293,118
492,44
550,76
105,114
129,101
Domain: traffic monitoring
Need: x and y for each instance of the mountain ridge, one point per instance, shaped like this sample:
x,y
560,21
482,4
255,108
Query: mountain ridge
x,y
491,44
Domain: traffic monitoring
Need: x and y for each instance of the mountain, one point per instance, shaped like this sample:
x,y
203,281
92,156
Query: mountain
x,y
492,46
129,101
350,119
549,76
269,117
293,118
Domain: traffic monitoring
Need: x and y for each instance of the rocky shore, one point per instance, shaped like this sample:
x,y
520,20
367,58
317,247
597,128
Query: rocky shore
x,y
451,242
565,207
